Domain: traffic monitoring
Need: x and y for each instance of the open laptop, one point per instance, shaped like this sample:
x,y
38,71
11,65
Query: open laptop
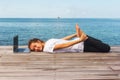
x,y
16,48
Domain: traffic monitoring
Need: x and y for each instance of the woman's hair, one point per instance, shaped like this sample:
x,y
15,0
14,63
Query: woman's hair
x,y
33,41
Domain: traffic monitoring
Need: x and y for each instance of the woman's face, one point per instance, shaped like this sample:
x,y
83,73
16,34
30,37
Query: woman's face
x,y
36,46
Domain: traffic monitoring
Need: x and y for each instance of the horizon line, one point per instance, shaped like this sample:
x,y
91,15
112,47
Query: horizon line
x,y
59,18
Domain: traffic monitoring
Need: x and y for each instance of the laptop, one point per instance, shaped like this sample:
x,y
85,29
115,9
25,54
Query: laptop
x,y
16,48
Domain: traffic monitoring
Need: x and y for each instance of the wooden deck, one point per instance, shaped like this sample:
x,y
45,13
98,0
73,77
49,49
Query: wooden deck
x,y
61,66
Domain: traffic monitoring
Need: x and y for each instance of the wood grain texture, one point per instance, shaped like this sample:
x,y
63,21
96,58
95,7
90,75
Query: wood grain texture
x,y
60,66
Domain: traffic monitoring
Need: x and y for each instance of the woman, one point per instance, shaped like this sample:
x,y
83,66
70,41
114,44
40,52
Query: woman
x,y
82,43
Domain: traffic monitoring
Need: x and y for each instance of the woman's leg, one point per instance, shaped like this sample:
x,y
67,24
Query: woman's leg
x,y
95,45
91,44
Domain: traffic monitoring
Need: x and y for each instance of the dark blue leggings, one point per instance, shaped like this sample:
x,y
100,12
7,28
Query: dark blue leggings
x,y
95,45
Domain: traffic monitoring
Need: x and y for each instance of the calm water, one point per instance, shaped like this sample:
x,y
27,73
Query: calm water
x,y
108,30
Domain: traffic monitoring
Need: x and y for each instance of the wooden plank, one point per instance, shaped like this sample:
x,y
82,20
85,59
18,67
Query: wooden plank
x,y
61,66
77,76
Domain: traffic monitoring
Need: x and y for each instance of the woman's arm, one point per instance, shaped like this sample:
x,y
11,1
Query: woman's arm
x,y
67,44
78,34
70,36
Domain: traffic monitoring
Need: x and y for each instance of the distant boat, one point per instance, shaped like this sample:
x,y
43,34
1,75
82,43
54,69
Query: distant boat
x,y
58,17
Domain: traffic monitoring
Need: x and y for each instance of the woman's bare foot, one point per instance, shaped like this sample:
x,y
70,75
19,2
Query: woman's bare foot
x,y
83,37
78,31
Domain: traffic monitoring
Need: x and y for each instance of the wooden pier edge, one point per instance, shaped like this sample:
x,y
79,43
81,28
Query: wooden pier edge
x,y
60,66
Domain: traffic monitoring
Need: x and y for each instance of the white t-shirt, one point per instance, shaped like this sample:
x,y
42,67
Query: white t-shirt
x,y
50,44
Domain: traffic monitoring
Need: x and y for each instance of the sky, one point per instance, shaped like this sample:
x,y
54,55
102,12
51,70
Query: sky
x,y
61,8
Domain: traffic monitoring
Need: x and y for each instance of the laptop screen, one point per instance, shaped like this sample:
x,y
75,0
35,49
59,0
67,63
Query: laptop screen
x,y
16,48
15,43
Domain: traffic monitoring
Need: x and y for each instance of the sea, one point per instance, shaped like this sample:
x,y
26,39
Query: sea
x,y
105,29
